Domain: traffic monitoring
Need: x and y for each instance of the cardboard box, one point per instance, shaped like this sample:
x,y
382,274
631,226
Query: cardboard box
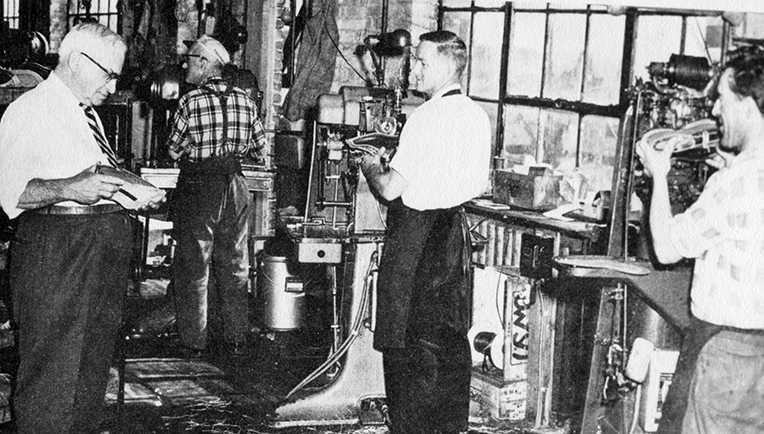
x,y
536,191
502,400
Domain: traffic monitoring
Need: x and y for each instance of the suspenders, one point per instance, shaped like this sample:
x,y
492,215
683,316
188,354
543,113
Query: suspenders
x,y
223,98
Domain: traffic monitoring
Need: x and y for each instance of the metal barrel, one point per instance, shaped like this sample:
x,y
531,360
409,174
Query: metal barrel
x,y
281,295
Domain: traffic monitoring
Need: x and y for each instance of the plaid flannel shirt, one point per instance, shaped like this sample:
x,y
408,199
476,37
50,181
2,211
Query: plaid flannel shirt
x,y
198,123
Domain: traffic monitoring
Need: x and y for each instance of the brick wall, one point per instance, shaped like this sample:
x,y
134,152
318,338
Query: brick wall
x,y
263,53
356,19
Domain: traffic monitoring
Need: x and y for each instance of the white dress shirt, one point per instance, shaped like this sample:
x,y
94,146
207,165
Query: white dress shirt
x,y
44,134
444,152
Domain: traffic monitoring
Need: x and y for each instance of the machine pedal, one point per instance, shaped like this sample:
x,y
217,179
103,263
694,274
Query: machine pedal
x,y
373,411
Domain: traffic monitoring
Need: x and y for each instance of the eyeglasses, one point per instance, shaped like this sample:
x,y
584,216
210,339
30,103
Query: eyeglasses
x,y
110,75
198,56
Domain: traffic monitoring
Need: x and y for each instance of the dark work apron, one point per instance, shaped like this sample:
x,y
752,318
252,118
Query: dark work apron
x,y
423,286
422,320
424,274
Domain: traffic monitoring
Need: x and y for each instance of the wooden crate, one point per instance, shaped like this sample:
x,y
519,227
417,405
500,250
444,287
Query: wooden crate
x,y
499,399
536,192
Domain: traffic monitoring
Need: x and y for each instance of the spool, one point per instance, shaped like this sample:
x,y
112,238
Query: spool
x,y
281,304
486,342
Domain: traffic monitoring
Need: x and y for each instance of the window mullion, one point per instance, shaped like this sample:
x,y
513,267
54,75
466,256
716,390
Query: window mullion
x,y
587,34
503,80
471,45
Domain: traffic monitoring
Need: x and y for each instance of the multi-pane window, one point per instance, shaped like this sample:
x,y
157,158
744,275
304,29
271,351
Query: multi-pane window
x,y
105,12
11,13
563,88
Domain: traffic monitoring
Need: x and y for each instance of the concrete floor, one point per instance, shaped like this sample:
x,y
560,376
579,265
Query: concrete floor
x,y
218,393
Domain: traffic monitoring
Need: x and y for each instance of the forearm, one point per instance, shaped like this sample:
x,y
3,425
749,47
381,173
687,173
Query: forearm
x,y
43,192
660,217
175,155
377,179
384,181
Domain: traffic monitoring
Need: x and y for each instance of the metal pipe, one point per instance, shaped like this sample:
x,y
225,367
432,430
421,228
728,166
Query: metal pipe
x,y
325,203
383,32
312,168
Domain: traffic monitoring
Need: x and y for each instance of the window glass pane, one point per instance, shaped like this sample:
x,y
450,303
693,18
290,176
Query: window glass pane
x,y
521,128
526,54
658,37
456,3
560,138
599,136
459,23
492,110
11,13
489,3
602,80
529,4
567,6
704,37
753,27
565,57
486,50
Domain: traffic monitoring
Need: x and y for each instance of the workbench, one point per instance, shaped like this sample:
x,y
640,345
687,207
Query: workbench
x,y
569,323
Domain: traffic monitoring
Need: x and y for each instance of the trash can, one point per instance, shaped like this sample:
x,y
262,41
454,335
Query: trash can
x,y
281,294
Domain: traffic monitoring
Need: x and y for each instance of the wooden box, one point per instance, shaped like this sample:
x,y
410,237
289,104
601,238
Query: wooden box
x,y
533,191
499,399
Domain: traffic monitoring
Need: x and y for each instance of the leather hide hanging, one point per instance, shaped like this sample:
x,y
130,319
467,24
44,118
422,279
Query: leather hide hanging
x,y
315,61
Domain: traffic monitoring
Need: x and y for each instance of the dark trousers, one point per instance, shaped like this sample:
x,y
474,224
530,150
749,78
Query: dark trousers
x,y
212,231
427,385
68,277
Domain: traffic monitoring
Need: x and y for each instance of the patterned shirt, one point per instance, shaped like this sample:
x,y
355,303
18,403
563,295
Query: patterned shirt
x,y
724,231
198,123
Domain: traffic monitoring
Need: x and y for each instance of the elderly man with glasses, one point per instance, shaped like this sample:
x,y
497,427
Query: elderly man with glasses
x,y
71,251
215,126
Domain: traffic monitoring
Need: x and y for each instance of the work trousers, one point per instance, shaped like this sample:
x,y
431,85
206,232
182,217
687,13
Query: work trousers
x,y
718,384
727,388
68,277
212,230
427,384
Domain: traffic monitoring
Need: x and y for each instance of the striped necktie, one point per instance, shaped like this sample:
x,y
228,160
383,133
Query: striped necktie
x,y
95,128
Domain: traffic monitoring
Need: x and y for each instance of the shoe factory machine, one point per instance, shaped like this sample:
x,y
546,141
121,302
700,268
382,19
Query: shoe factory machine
x,y
343,227
640,307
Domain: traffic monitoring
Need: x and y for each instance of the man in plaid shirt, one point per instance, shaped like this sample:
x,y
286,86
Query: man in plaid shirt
x,y
215,125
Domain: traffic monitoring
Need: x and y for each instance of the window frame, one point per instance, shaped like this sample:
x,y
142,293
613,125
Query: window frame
x,y
12,14
580,108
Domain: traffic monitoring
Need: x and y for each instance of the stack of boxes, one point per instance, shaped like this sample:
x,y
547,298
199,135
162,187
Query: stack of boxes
x,y
502,394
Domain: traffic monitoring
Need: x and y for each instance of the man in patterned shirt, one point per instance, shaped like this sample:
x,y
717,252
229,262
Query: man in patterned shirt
x,y
719,382
215,125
